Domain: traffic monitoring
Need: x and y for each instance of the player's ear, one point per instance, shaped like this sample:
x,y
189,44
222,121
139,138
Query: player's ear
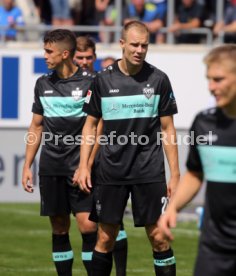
x,y
65,54
122,43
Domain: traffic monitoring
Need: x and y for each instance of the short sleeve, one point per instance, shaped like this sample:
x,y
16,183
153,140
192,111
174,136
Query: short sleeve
x,y
193,161
167,104
92,103
37,107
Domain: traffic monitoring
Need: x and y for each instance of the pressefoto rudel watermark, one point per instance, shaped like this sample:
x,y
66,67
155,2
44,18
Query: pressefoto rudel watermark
x,y
31,138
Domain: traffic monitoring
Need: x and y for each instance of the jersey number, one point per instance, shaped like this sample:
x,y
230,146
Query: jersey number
x,y
164,201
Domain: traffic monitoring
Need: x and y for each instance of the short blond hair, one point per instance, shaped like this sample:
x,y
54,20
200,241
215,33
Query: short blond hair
x,y
222,54
133,24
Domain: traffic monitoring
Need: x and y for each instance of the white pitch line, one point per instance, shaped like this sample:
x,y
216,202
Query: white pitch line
x,y
19,211
189,232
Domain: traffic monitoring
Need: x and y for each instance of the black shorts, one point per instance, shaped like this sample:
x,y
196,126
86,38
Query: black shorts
x,y
211,263
148,203
217,248
60,197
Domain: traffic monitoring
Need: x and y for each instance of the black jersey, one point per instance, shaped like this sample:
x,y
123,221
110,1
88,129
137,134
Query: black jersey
x,y
60,102
217,161
130,107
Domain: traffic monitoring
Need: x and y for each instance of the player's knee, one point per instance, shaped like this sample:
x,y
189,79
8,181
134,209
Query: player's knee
x,y
87,226
60,225
84,224
106,241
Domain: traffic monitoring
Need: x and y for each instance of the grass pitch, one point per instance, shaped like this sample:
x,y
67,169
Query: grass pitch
x,y
25,245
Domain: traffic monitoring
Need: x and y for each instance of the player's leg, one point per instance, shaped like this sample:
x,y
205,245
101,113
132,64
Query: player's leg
x,y
120,252
102,254
164,260
81,205
108,209
148,202
61,247
54,203
88,230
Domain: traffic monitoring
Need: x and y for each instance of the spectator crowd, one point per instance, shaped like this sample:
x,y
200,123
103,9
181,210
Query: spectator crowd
x,y
188,15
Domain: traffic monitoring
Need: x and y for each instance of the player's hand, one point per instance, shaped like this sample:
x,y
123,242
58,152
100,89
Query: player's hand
x,y
27,180
84,180
76,175
75,178
166,222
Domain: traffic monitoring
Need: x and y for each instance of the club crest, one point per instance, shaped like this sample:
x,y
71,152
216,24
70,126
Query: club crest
x,y
148,92
77,94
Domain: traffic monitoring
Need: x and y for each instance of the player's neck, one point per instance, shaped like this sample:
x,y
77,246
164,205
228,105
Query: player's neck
x,y
66,71
127,68
230,111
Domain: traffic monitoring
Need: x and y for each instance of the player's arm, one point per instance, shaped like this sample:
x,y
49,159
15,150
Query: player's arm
x,y
97,145
32,144
93,153
187,189
171,151
89,133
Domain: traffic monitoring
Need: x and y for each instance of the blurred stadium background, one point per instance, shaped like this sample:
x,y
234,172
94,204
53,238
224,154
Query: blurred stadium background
x,y
21,63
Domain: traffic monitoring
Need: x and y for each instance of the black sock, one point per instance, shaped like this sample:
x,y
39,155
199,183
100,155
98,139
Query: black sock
x,y
101,263
62,254
164,263
120,253
88,244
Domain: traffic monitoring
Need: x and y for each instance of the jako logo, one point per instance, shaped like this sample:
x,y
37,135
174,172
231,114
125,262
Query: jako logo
x,y
114,91
9,92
